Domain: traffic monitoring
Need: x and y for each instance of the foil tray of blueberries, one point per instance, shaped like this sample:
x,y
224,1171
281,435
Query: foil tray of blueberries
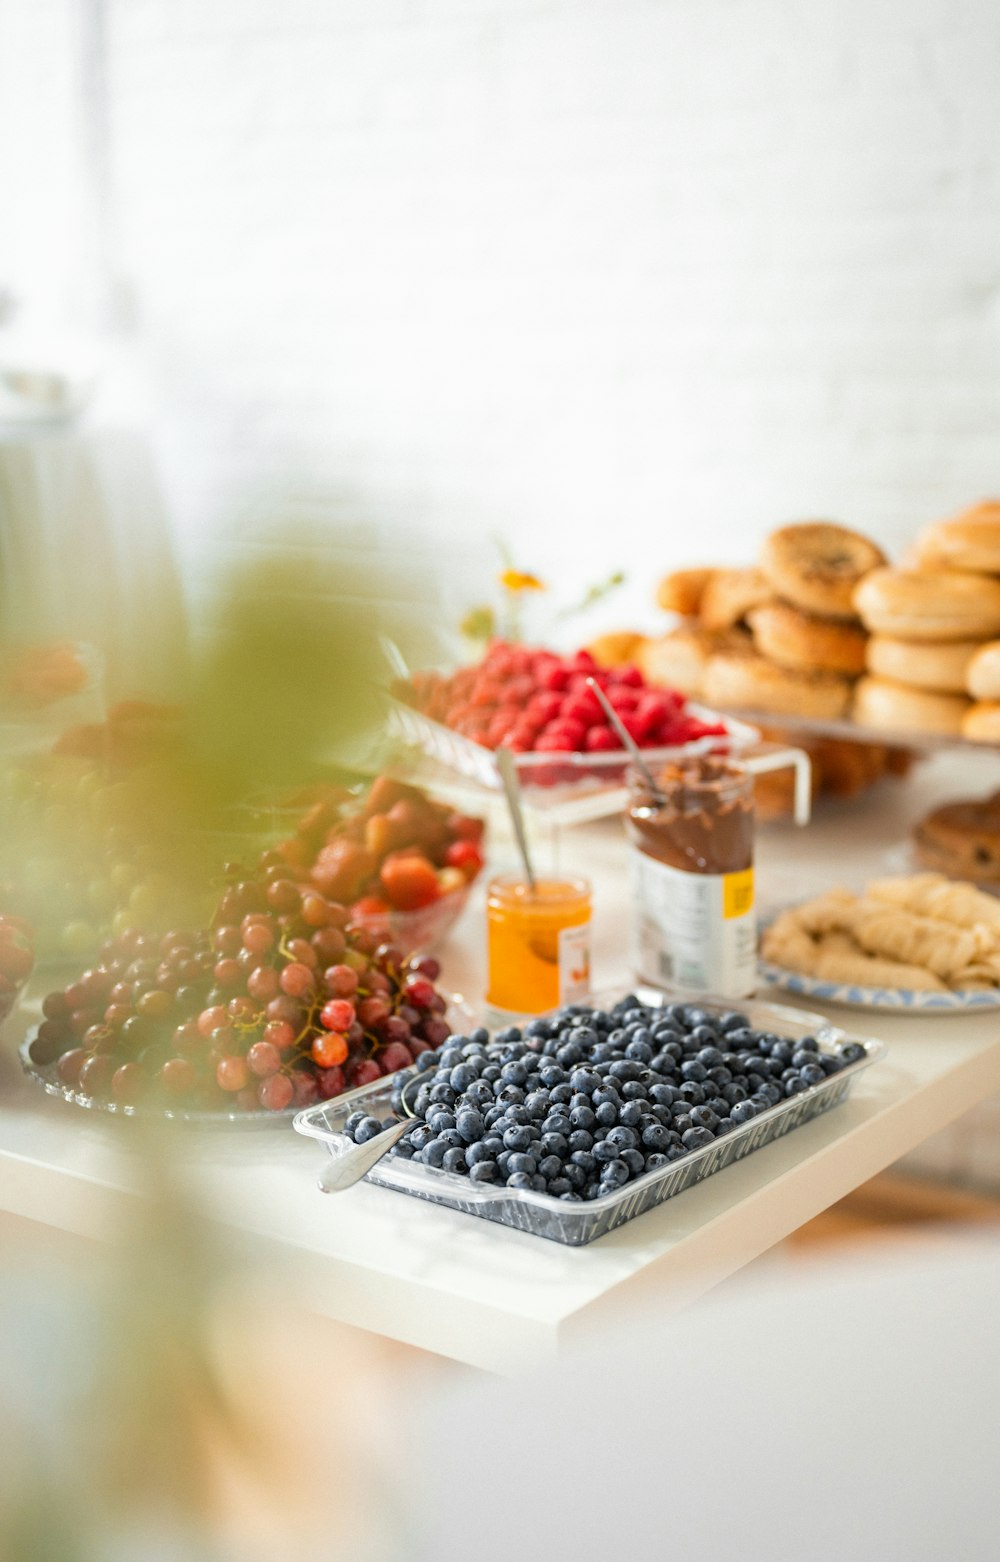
x,y
588,1117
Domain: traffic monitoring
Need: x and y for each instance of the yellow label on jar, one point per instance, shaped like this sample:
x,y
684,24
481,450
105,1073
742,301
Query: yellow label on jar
x,y
737,893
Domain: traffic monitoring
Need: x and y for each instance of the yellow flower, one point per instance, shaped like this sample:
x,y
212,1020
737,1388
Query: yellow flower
x,y
517,580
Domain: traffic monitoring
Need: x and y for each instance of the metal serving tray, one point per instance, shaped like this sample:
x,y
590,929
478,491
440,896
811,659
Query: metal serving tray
x,y
577,1224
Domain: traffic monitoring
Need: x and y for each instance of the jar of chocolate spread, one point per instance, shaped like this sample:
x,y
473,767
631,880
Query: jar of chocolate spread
x,y
692,875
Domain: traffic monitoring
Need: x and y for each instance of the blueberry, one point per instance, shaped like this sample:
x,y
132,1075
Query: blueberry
x,y
519,1180
454,1160
522,1163
558,1123
426,1060
585,1081
491,1073
515,1114
517,1137
802,1057
734,1093
420,1136
614,1175
635,1160
585,1160
813,1074
568,1055
470,1124
705,1036
556,1144
631,1112
851,1052
463,1076
550,1166
624,1138
561,1188
442,1094
603,1151
694,1071
655,1137
561,1094
696,1138
663,1095
625,1069
704,1117
691,1094
435,1152
509,1095
484,1171
730,1022
475,1153
808,1044
795,1086
580,1139
540,1028
367,1129
494,1144
513,1073
682,1124
656,1161
607,1114
353,1121
551,1075
582,1117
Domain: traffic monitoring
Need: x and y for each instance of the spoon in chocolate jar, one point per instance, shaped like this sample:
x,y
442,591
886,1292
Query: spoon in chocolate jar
x,y
628,741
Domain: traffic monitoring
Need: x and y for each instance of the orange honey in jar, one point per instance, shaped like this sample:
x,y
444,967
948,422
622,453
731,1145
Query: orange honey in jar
x,y
538,943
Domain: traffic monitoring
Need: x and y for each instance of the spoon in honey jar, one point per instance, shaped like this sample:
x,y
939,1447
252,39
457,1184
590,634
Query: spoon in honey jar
x,y
512,789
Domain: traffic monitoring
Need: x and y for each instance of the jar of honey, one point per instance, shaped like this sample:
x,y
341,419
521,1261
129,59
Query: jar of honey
x,y
692,875
538,943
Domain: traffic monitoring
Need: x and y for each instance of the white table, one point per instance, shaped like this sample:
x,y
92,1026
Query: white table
x,y
496,1298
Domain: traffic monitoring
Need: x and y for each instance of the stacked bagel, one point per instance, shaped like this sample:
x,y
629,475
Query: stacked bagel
x,y
933,659
782,637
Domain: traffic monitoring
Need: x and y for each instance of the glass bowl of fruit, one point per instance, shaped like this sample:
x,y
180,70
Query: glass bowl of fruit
x,y
402,862
17,957
569,760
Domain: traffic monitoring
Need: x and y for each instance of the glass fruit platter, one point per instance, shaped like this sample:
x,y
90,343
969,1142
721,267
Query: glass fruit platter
x,y
568,787
458,1013
575,1220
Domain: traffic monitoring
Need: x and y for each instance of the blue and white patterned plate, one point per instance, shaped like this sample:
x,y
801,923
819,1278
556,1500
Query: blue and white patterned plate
x,y
890,1000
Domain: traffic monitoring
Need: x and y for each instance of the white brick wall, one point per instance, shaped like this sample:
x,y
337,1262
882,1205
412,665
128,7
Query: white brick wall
x,y
628,279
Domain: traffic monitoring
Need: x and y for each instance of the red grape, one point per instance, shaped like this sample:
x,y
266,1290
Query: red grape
x,y
263,1059
328,1048
276,1093
231,1072
297,980
340,981
338,1014
178,1076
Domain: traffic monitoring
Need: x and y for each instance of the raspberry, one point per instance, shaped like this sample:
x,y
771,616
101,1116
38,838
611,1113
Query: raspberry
x,y
601,740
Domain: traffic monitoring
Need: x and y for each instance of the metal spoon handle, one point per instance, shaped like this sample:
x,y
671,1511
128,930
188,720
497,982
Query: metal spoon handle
x,y
508,775
627,738
343,1171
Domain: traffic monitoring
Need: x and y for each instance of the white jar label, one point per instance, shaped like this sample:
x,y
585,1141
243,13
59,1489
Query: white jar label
x,y
574,963
696,931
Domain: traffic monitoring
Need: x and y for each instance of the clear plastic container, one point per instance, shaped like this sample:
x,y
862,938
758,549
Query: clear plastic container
x,y
577,1224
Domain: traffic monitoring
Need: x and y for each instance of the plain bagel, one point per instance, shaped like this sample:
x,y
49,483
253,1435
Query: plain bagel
x,y
802,641
924,663
982,678
926,605
970,541
896,707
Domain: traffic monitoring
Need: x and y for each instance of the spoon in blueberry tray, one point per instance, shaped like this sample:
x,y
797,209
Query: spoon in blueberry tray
x,y
346,1169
